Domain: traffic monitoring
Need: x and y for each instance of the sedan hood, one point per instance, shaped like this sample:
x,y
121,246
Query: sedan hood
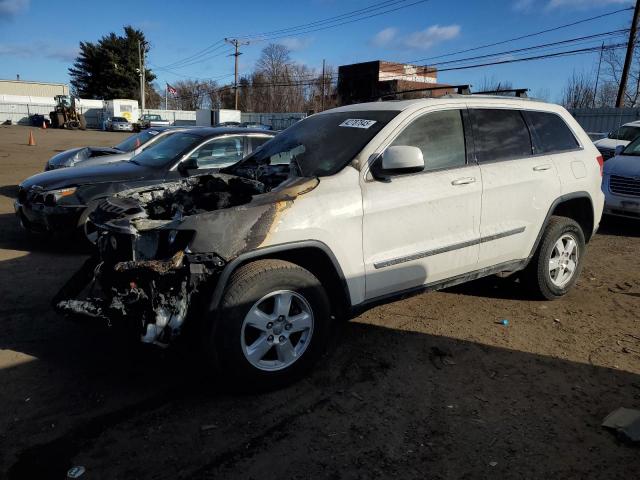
x,y
623,165
68,158
67,177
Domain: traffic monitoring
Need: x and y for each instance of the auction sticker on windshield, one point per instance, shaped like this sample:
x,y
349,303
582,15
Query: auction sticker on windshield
x,y
357,123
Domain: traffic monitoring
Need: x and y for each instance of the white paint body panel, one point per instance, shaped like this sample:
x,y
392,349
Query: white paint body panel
x,y
365,222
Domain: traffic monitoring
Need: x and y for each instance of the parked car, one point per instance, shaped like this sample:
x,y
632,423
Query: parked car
x,y
119,124
345,209
621,183
149,120
260,126
621,136
85,156
56,201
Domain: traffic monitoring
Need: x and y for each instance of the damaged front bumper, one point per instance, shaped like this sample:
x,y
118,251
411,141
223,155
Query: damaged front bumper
x,y
150,297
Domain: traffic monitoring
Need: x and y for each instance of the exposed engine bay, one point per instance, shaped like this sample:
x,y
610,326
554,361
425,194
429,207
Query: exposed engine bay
x,y
159,246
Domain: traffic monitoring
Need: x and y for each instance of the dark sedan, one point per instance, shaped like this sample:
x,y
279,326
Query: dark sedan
x,y
56,201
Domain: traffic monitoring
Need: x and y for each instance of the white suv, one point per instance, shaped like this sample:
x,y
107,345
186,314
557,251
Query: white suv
x,y
347,208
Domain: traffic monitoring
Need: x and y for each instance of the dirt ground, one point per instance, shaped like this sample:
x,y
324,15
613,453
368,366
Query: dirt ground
x,y
521,401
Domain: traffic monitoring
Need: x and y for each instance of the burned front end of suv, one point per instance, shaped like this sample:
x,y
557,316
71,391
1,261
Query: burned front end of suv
x,y
161,249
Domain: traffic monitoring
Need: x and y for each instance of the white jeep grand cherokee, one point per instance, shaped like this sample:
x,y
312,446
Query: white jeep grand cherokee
x,y
347,208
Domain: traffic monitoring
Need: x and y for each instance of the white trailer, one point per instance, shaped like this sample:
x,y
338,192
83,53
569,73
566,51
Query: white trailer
x,y
208,118
122,108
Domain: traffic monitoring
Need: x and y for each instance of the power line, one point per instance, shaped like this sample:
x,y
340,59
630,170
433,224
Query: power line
x,y
266,39
360,11
529,35
220,43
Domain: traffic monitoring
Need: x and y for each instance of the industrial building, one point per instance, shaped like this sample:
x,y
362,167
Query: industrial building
x,y
361,82
33,89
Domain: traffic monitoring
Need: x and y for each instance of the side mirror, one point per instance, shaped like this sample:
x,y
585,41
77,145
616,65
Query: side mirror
x,y
398,160
619,149
187,164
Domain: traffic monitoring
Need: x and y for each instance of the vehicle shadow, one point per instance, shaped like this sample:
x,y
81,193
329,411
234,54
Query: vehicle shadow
x,y
618,226
383,402
9,191
493,286
14,237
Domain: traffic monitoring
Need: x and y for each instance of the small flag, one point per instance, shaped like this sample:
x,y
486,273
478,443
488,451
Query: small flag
x,y
171,89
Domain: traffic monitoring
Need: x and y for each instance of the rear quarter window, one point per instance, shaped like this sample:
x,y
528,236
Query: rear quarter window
x,y
551,133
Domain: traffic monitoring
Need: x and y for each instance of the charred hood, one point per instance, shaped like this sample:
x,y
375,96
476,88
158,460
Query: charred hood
x,y
227,214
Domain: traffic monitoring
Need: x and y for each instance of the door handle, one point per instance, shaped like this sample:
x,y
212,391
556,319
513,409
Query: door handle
x,y
463,181
540,168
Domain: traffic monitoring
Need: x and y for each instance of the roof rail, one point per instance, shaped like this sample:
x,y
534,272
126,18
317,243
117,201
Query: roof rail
x,y
518,92
460,90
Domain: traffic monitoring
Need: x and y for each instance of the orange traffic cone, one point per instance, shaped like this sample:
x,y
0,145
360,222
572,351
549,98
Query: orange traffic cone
x,y
44,124
32,141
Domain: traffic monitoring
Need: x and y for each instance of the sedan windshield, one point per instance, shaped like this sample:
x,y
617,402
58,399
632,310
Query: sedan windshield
x,y
633,148
162,154
322,144
626,133
119,119
134,141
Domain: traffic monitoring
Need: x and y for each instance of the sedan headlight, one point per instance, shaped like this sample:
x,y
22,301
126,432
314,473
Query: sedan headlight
x,y
53,196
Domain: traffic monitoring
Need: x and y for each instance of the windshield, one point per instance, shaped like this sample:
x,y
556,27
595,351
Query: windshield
x,y
163,153
633,148
625,133
134,141
119,119
322,144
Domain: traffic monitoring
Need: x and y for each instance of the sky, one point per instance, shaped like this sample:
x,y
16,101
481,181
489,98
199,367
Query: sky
x,y
35,46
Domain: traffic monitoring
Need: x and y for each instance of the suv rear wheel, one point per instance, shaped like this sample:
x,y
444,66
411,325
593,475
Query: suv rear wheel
x,y
556,265
272,326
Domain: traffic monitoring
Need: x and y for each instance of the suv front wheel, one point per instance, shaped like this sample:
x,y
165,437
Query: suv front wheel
x,y
272,326
556,265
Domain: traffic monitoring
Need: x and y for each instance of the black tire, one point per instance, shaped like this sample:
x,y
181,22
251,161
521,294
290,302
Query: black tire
x,y
537,275
247,285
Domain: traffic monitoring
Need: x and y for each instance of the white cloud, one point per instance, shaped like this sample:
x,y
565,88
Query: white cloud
x,y
11,8
39,50
584,3
523,5
294,43
435,34
530,5
420,40
384,37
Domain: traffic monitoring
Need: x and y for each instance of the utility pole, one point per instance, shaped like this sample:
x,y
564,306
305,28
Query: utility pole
x,y
595,88
322,101
236,43
629,57
141,74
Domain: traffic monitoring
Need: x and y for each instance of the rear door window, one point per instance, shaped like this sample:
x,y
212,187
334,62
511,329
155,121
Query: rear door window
x,y
440,136
219,152
500,134
551,132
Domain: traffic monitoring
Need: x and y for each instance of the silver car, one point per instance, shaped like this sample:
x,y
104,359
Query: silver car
x,y
119,124
89,156
621,182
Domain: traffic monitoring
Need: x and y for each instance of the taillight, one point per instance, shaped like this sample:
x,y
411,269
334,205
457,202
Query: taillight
x,y
601,163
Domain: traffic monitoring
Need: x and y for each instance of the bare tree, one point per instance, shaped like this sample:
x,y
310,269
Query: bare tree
x,y
492,84
613,61
578,92
191,95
